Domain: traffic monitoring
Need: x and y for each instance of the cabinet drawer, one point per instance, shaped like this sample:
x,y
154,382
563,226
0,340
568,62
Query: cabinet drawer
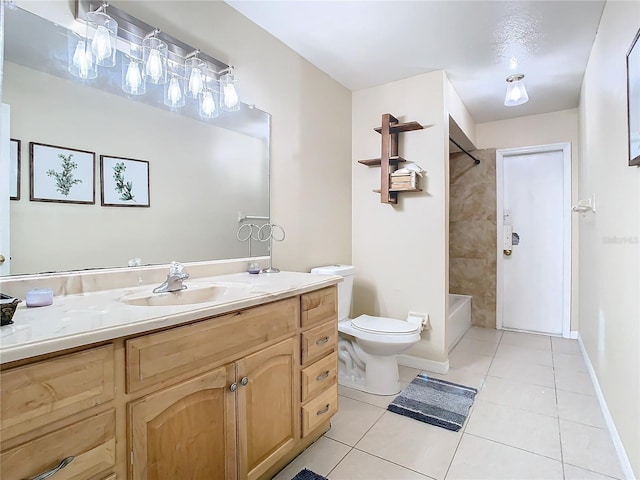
x,y
182,352
318,341
319,306
319,410
319,376
43,392
92,443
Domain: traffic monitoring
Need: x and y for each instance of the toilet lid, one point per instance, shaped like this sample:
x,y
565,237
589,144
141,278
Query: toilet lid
x,y
383,325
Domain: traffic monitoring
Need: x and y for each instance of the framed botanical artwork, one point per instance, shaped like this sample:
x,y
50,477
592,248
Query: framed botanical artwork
x,y
14,169
124,182
633,100
61,174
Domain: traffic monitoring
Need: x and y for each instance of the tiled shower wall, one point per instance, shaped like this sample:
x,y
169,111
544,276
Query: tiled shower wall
x,y
472,233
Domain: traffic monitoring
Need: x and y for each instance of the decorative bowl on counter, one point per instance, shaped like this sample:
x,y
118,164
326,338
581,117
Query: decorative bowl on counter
x,y
8,305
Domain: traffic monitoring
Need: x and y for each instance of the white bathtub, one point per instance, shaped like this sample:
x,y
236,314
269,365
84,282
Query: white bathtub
x,y
459,318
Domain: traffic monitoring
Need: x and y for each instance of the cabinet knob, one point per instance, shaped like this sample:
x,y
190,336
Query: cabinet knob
x,y
244,381
233,387
322,340
322,376
65,461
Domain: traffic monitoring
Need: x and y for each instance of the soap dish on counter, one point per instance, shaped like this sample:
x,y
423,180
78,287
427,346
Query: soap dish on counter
x,y
8,305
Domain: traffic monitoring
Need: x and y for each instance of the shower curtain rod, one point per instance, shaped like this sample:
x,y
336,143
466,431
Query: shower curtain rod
x,y
477,162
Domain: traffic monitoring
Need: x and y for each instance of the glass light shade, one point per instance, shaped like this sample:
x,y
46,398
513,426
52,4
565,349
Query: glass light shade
x,y
195,76
81,61
174,96
516,92
208,104
154,58
229,93
133,81
104,32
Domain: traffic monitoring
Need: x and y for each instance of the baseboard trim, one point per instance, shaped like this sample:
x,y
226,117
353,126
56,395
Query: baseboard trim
x,y
613,431
423,363
573,334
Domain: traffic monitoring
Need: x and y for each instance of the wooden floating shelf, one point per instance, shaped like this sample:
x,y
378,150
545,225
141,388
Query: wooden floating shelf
x,y
375,162
408,189
401,127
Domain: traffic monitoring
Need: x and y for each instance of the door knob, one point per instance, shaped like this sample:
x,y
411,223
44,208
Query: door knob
x,y
2,259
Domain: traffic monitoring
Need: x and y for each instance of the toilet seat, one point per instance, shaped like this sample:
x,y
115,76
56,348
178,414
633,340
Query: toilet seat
x,y
383,326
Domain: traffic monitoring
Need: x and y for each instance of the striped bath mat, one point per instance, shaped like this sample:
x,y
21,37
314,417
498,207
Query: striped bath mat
x,y
435,401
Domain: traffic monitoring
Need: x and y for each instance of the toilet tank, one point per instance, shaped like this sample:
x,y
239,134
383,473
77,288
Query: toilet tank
x,y
345,288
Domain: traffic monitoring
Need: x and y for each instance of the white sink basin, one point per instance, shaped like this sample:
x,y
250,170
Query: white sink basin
x,y
193,295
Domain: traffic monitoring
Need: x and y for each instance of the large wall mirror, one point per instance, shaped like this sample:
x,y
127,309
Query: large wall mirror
x,y
202,174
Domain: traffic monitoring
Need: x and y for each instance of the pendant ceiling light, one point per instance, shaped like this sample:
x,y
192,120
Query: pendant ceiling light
x,y
516,91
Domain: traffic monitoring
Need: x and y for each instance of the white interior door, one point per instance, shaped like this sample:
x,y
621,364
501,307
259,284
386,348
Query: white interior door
x,y
533,199
5,178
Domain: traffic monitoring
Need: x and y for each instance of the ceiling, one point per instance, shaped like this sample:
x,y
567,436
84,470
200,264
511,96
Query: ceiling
x,y
477,43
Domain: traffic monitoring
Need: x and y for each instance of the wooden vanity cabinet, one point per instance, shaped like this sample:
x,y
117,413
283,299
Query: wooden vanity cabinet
x,y
234,421
233,397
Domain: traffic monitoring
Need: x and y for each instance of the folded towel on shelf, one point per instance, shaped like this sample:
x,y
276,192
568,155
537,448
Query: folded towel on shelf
x,y
408,169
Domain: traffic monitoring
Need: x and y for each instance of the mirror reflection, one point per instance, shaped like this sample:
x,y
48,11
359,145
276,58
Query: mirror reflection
x,y
202,174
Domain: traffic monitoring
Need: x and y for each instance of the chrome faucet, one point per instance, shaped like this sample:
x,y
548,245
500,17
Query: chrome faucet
x,y
174,280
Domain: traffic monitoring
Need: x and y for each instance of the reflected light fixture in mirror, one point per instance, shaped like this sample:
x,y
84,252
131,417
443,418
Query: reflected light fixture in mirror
x,y
150,56
229,91
81,62
516,91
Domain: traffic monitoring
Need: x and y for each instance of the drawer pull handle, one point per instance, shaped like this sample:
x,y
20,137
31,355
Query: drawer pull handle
x,y
322,376
322,341
244,381
323,411
54,470
233,387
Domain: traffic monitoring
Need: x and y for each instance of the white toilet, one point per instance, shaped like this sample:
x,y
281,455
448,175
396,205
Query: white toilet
x,y
368,345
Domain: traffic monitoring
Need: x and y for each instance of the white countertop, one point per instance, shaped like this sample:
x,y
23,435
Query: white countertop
x,y
83,319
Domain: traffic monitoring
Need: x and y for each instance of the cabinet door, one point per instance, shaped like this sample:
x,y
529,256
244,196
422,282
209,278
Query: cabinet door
x,y
268,423
187,431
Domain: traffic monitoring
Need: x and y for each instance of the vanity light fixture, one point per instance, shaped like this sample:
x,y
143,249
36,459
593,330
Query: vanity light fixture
x,y
150,57
104,31
174,96
208,104
133,81
81,61
195,73
229,94
516,91
154,57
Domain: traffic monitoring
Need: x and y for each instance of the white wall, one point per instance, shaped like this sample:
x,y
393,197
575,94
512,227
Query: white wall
x,y
311,121
610,239
401,252
547,128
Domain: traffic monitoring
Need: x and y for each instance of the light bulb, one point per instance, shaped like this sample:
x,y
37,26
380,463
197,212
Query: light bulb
x,y
174,93
230,95
101,44
133,78
195,82
153,68
82,59
208,105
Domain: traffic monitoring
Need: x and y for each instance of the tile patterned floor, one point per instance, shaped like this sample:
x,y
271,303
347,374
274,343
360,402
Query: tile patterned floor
x,y
535,417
